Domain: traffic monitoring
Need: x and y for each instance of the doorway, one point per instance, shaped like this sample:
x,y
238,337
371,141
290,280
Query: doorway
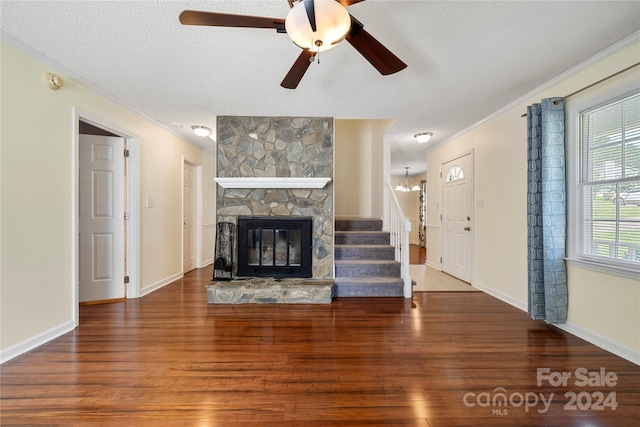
x,y
107,217
457,216
188,217
101,220
192,182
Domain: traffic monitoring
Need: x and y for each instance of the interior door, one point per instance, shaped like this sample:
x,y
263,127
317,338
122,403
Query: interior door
x,y
101,219
457,230
188,209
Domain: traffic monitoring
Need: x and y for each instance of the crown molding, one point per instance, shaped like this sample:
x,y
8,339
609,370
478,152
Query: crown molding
x,y
70,74
611,50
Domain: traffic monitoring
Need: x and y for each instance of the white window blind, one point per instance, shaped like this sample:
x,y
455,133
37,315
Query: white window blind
x,y
610,181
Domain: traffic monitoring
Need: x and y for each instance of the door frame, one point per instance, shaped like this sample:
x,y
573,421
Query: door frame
x,y
131,207
471,207
198,206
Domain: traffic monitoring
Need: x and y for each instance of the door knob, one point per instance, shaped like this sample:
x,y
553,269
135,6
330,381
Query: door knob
x,y
467,229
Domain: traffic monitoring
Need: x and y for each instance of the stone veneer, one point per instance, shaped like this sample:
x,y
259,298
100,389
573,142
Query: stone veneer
x,y
279,147
270,291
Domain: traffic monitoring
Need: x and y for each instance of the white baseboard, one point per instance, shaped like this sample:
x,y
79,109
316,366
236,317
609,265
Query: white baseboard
x,y
603,343
36,341
53,333
160,284
435,265
575,330
502,297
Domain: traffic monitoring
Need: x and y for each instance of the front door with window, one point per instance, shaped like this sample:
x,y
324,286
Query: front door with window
x,y
457,230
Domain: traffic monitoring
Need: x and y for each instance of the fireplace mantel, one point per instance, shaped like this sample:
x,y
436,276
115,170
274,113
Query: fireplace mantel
x,y
271,182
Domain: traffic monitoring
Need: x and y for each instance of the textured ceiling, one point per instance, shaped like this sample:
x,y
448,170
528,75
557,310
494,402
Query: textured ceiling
x,y
465,59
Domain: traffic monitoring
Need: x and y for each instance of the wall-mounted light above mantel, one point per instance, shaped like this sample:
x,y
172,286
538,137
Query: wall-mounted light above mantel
x,y
271,182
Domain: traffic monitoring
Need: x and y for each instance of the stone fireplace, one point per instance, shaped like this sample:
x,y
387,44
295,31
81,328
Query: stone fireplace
x,y
280,167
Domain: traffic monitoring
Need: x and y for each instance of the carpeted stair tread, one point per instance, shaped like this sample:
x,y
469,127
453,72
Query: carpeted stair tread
x,y
346,252
368,287
353,224
367,268
365,232
369,280
364,260
367,246
362,237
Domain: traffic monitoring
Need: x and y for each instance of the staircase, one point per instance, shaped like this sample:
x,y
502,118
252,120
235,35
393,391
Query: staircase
x,y
365,261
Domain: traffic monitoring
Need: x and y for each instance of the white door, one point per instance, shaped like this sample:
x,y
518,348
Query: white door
x,y
188,209
101,222
457,231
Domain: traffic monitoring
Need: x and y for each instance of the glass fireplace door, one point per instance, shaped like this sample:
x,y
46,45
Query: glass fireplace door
x,y
278,247
274,247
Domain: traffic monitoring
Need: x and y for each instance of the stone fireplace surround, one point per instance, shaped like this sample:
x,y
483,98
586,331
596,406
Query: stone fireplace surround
x,y
279,166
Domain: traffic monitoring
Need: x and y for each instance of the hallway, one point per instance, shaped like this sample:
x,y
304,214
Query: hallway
x,y
428,279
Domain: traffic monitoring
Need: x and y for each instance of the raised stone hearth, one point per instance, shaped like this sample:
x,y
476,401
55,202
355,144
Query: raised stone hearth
x,y
270,291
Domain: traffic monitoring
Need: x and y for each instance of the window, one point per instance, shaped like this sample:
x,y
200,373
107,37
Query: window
x,y
455,173
610,184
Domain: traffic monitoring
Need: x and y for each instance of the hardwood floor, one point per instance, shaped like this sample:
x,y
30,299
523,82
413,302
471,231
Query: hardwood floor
x,y
417,254
170,359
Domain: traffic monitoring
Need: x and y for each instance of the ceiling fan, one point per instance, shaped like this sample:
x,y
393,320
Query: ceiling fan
x,y
313,25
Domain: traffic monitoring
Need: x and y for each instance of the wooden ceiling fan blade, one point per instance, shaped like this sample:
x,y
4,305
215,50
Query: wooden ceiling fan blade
x,y
214,19
346,3
297,71
311,13
379,56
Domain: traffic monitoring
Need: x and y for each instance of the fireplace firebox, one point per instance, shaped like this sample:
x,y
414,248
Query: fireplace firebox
x,y
271,246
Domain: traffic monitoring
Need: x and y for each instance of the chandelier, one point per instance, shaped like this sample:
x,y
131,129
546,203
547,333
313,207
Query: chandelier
x,y
405,186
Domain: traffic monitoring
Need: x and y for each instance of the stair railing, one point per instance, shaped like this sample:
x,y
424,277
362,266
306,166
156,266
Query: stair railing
x,y
399,227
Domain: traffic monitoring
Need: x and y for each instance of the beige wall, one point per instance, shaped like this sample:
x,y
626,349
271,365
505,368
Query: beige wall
x,y
359,168
602,308
38,199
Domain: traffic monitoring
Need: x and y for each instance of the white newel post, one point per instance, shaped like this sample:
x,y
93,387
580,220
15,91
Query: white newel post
x,y
406,274
399,228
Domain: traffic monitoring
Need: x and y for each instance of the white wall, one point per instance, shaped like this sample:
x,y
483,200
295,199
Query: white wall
x,y
602,309
359,169
38,207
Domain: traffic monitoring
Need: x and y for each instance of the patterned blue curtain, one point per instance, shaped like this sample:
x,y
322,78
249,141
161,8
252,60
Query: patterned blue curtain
x,y
546,216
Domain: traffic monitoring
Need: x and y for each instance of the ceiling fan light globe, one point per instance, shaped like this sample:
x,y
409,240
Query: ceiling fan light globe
x,y
333,22
201,131
423,137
